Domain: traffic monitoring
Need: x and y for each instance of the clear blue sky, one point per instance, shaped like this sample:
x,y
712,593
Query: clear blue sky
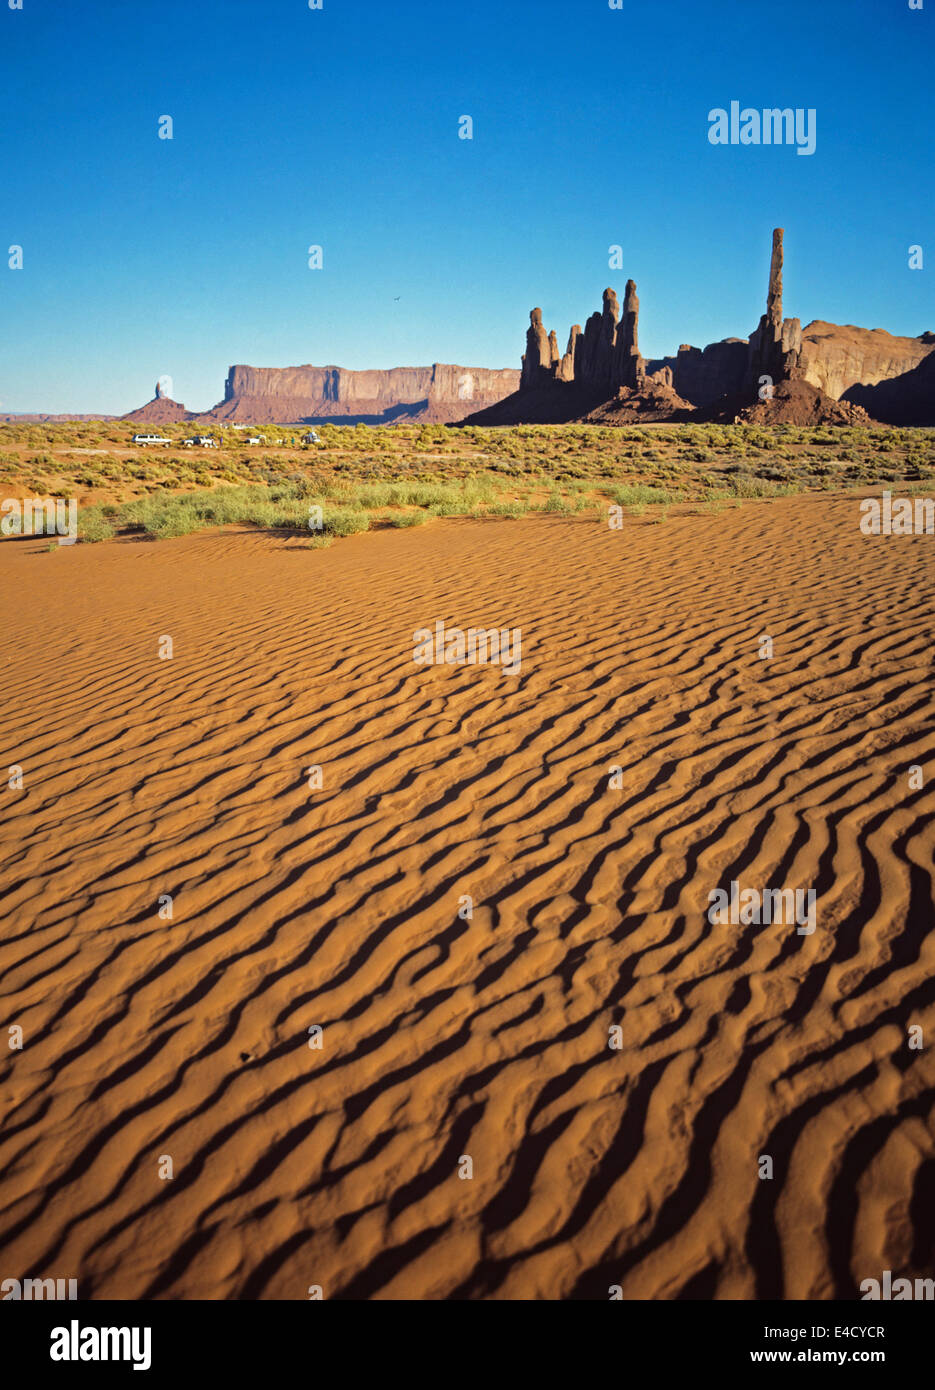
x,y
340,127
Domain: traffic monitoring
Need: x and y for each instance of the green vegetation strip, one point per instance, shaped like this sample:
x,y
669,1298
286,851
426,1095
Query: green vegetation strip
x,y
401,475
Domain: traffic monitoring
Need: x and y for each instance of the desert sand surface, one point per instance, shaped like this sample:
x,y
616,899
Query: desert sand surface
x,y
445,1038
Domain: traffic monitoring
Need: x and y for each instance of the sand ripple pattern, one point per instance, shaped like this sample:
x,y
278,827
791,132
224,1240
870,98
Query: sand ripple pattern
x,y
488,1038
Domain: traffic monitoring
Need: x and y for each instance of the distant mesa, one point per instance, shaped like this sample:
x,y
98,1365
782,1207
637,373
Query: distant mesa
x,y
824,374
25,418
318,395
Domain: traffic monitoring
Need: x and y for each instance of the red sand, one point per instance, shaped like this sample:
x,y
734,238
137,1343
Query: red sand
x,y
487,1038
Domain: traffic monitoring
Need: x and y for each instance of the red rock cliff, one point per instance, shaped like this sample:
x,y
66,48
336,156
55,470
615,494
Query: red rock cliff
x,y
440,392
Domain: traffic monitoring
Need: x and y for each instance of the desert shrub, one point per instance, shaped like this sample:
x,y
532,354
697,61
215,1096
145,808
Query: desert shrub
x,y
93,525
342,522
755,487
507,509
629,494
555,502
176,519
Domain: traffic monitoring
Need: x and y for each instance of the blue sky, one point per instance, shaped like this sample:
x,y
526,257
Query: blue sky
x,y
339,127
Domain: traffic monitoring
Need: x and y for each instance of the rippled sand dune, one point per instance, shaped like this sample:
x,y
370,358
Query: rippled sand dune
x,y
445,1038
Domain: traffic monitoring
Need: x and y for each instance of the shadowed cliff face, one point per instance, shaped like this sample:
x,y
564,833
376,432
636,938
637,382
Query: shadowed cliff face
x,y
440,392
836,357
908,399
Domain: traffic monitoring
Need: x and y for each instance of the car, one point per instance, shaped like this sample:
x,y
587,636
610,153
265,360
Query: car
x,y
254,439
144,439
204,440
311,438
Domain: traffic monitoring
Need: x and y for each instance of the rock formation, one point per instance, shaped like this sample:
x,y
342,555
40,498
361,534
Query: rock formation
x,y
24,418
907,399
159,411
653,401
630,368
704,375
598,362
776,343
602,372
566,368
442,392
798,402
839,357
537,358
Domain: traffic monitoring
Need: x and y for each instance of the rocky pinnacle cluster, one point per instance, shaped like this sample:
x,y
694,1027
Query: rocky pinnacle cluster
x,y
605,357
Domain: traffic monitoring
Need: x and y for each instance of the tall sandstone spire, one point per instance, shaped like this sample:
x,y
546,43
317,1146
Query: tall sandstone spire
x,y
537,358
774,290
630,368
776,343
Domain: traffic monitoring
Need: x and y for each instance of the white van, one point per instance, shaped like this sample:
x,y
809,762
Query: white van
x,y
143,439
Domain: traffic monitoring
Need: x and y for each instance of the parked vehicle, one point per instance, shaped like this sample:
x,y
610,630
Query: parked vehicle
x,y
311,438
254,439
144,439
204,440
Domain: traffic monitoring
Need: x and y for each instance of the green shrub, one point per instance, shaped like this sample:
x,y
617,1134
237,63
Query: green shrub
x,y
343,522
94,526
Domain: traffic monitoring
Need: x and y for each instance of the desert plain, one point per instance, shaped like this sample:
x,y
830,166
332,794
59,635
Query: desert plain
x,y
339,975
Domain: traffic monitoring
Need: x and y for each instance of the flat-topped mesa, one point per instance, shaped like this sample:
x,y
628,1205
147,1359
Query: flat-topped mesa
x,y
442,391
776,344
